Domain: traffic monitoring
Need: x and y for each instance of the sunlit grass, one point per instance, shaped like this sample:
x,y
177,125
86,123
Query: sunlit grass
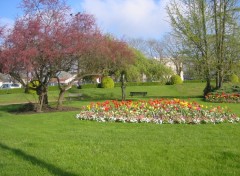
x,y
59,144
184,90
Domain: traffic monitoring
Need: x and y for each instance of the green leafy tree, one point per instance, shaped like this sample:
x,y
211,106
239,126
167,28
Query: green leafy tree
x,y
158,71
207,29
133,74
233,78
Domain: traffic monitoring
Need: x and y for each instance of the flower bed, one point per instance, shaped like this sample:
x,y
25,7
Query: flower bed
x,y
159,111
223,97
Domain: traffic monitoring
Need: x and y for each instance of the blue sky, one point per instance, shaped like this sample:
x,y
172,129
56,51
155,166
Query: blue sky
x,y
122,18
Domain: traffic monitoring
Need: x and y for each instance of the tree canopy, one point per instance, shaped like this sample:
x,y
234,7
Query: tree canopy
x,y
209,31
49,39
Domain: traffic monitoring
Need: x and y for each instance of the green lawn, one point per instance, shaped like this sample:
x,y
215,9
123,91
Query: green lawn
x,y
183,91
24,98
167,91
59,144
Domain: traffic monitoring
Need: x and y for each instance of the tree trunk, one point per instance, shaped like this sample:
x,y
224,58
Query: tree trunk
x,y
43,101
220,17
43,97
26,90
123,93
62,89
217,79
60,98
220,81
208,87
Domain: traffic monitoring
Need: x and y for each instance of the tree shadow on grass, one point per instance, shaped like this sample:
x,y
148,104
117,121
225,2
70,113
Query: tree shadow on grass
x,y
35,161
227,158
10,107
98,97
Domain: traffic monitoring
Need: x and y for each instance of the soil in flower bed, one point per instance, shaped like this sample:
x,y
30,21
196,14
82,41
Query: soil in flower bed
x,y
30,108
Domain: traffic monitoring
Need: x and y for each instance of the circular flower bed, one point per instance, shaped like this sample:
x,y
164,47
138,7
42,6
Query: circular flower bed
x,y
159,111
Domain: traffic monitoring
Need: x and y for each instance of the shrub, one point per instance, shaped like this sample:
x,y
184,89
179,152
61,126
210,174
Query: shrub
x,y
107,82
233,78
32,86
228,88
176,79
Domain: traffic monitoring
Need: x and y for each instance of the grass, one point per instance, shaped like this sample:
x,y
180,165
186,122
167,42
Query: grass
x,y
170,91
59,144
183,91
15,98
47,144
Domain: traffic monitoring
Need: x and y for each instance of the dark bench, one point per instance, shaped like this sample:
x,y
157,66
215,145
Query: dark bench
x,y
138,93
74,96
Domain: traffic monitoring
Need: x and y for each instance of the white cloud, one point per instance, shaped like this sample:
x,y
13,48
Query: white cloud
x,y
131,18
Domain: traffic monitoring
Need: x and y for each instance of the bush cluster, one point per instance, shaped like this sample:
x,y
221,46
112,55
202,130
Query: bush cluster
x,y
228,88
107,82
176,79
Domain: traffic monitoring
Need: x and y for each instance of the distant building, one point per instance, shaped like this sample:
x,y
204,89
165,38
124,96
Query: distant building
x,y
64,78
